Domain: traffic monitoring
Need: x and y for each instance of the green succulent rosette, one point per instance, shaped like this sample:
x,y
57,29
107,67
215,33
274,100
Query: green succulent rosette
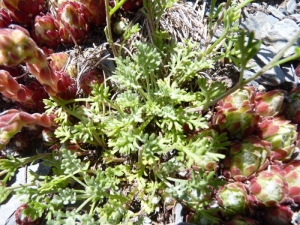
x,y
239,123
269,188
233,198
281,134
236,113
248,157
269,103
292,177
240,98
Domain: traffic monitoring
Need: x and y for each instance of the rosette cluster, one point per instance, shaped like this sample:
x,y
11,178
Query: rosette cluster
x,y
261,167
68,21
30,70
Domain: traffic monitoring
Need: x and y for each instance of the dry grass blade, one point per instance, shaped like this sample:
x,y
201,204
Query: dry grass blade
x,y
182,21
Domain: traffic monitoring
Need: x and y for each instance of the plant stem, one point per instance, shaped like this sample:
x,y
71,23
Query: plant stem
x,y
83,204
79,181
19,186
275,61
107,29
116,7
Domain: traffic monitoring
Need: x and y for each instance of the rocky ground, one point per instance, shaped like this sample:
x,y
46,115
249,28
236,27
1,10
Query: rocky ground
x,y
274,22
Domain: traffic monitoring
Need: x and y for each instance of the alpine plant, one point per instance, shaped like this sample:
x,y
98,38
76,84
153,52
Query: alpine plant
x,y
12,121
233,198
23,12
248,157
73,23
31,95
269,103
281,134
16,47
262,127
45,31
5,19
269,189
96,9
236,114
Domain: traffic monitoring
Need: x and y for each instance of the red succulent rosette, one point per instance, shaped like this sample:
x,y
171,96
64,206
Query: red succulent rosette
x,y
24,11
269,188
45,30
73,23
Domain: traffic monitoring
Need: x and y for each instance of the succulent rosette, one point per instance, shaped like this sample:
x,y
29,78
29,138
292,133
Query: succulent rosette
x,y
233,198
73,24
30,96
96,9
16,47
281,134
22,219
281,215
11,89
132,5
5,19
38,95
292,176
208,163
236,122
45,30
241,220
12,121
248,157
269,103
292,108
269,188
24,11
66,86
240,98
90,78
236,113
58,60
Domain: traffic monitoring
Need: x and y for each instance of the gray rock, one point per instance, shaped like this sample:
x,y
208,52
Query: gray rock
x,y
107,64
296,17
247,75
287,7
272,77
296,218
275,12
178,211
291,79
271,31
256,5
8,209
259,23
277,35
283,10
291,6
